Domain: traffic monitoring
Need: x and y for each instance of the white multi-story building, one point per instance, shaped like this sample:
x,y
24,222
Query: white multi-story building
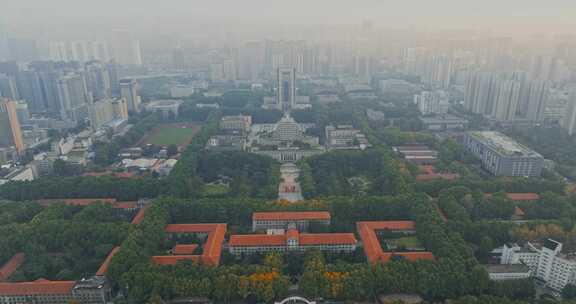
x,y
236,123
345,137
435,102
547,263
281,220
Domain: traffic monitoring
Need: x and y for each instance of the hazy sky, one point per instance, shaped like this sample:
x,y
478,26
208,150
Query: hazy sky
x,y
505,15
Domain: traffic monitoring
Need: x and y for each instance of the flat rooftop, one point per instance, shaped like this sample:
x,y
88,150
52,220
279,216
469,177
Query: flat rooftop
x,y
503,144
504,268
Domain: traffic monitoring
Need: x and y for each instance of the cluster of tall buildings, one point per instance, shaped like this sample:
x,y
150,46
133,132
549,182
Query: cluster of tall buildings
x,y
45,95
121,46
506,96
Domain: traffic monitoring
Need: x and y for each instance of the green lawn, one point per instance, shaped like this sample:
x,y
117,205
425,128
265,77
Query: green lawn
x,y
172,134
215,190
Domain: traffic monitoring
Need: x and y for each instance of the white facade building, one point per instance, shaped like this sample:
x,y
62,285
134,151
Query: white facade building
x,y
547,263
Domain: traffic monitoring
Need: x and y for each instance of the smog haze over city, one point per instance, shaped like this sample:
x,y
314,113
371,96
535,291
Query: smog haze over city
x,y
288,152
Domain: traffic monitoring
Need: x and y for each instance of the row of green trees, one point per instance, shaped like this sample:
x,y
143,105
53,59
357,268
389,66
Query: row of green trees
x,y
63,242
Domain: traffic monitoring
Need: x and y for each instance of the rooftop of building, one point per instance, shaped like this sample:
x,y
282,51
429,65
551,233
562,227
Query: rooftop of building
x,y
139,216
304,239
518,196
104,266
184,249
38,287
164,103
507,268
291,216
372,247
212,248
503,144
11,266
444,118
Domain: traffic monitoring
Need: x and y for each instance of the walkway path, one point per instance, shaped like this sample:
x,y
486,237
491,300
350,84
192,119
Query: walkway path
x,y
289,188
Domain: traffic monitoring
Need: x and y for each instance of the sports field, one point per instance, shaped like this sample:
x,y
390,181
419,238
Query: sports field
x,y
179,134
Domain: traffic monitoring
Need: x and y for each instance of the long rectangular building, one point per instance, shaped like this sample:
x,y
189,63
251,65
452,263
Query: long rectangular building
x,y
292,241
281,220
503,156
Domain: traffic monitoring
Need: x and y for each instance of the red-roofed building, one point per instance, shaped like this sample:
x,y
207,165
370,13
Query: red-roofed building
x,y
518,197
281,220
174,259
212,248
372,247
104,267
39,292
435,176
184,249
292,241
139,215
11,266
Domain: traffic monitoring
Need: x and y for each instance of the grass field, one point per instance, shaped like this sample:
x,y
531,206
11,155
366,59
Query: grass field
x,y
179,134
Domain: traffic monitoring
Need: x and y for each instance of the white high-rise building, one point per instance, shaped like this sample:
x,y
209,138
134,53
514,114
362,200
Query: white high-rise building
x,y
537,98
129,91
546,262
438,72
286,88
126,49
480,89
507,99
435,102
107,110
569,121
73,97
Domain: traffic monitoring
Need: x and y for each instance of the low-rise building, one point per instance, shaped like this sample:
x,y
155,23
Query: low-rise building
x,y
499,272
281,220
345,137
239,123
226,143
503,156
445,122
435,102
368,232
212,248
168,108
292,240
417,154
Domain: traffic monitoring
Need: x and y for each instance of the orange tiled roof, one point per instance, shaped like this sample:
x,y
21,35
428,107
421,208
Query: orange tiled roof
x,y
125,205
518,196
40,287
253,240
11,266
76,201
173,259
184,249
327,239
389,225
372,247
139,216
257,240
104,267
518,211
189,228
291,216
212,248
